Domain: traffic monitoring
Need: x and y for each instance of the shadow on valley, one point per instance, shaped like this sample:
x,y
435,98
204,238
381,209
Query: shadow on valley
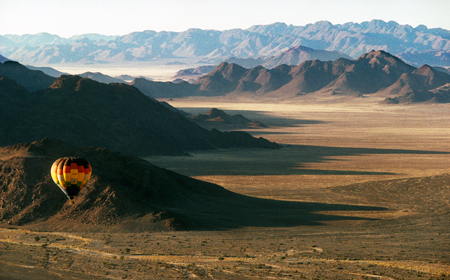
x,y
243,211
129,194
289,160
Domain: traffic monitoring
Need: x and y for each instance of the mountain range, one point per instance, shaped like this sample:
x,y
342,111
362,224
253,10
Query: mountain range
x,y
81,111
416,45
373,73
293,56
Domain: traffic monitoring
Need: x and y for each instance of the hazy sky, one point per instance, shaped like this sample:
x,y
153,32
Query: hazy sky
x,y
119,17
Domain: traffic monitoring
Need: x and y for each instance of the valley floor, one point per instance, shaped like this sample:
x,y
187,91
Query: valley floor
x,y
359,153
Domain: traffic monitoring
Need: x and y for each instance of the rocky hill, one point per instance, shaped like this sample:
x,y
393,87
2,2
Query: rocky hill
x,y
370,73
129,194
423,84
124,192
219,119
376,72
415,44
81,111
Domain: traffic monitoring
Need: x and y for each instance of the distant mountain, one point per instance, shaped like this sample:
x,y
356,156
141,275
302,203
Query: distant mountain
x,y
3,59
99,77
166,89
417,45
32,80
33,40
293,56
125,77
116,116
92,37
47,70
442,69
374,72
194,73
431,57
221,120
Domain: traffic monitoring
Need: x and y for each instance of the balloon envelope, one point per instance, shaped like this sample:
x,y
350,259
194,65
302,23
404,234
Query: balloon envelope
x,y
71,174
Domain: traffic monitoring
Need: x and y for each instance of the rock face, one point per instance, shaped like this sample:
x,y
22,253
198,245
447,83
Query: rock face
x,y
80,111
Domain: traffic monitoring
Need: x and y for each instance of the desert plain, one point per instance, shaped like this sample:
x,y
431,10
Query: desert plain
x,y
389,162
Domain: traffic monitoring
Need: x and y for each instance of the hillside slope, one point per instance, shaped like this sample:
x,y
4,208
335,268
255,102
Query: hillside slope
x,y
424,84
32,80
127,193
80,111
220,120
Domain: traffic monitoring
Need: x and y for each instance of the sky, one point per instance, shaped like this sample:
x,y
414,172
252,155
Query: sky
x,y
119,17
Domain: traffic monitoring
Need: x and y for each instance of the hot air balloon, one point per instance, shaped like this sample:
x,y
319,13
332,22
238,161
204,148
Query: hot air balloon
x,y
70,174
